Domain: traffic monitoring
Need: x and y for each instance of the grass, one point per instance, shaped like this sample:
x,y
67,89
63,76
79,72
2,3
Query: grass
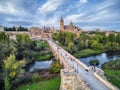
x,y
53,84
86,52
112,71
44,56
113,76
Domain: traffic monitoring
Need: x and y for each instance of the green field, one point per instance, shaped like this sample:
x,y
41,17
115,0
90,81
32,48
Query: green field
x,y
113,76
53,84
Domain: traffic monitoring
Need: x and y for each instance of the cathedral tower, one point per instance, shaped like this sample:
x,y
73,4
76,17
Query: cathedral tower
x,y
61,24
71,25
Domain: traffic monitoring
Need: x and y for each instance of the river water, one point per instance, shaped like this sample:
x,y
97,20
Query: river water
x,y
104,57
38,65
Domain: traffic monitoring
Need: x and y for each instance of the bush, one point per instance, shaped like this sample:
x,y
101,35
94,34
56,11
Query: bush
x,y
36,77
56,67
94,62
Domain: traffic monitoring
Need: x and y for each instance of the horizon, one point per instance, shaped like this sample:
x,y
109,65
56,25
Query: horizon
x,y
86,14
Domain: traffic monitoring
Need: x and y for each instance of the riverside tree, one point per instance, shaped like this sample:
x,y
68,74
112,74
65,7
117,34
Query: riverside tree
x,y
12,68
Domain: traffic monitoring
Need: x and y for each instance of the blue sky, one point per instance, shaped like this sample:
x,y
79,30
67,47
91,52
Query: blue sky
x,y
87,14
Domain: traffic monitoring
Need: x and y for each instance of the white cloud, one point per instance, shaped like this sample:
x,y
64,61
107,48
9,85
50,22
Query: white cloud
x,y
12,8
50,6
83,1
76,18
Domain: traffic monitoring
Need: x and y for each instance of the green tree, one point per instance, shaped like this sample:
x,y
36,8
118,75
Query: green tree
x,y
118,38
12,68
56,67
111,38
96,45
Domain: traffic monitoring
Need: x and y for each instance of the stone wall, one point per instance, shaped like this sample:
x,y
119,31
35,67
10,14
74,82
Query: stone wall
x,y
71,81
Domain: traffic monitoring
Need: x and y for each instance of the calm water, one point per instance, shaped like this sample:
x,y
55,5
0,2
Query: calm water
x,y
38,65
104,57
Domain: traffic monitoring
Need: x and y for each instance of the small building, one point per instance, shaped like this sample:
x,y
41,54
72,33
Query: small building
x,y
1,28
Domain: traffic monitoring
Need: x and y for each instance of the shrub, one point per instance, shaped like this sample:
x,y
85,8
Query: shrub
x,y
56,67
94,62
36,77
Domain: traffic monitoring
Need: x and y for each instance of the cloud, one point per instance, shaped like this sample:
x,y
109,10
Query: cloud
x,y
50,6
11,8
76,18
84,13
83,1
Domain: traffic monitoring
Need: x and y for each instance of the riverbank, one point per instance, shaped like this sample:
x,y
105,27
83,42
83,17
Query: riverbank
x,y
87,52
112,71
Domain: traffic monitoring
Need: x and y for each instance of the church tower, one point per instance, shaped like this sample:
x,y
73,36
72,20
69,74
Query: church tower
x,y
61,24
71,25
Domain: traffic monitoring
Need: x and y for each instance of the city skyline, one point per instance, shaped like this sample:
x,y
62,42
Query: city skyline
x,y
87,14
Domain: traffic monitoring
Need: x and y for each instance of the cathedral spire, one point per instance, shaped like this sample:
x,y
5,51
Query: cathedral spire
x,y
61,24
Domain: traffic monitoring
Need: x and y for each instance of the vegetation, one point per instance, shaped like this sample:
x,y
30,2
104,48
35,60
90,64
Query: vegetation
x,y
94,62
11,68
53,84
112,71
92,43
56,67
87,52
16,29
14,55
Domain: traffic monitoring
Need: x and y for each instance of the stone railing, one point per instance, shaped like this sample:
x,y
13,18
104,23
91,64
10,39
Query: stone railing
x,y
99,74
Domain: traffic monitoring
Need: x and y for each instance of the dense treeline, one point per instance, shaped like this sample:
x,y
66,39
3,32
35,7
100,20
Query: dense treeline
x,y
20,28
96,41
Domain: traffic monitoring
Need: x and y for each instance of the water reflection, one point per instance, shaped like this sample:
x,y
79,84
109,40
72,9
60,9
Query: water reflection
x,y
104,57
39,65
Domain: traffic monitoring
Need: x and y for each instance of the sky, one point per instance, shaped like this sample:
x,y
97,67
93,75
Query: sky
x,y
86,14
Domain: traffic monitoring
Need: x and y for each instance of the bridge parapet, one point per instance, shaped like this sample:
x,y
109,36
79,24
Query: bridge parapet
x,y
71,81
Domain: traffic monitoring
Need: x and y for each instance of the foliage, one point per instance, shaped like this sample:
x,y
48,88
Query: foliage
x,y
36,77
118,38
87,52
96,45
64,37
94,62
56,67
111,38
113,65
16,29
112,71
44,56
95,41
7,83
23,38
12,67
113,76
4,37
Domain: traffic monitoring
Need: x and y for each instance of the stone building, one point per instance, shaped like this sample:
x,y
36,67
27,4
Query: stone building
x,y
1,28
71,27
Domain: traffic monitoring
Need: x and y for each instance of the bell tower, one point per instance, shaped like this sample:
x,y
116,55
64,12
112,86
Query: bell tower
x,y
61,24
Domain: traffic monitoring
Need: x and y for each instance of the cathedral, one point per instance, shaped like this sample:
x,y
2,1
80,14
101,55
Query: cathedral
x,y
70,27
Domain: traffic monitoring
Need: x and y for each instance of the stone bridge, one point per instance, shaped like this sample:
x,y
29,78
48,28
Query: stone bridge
x,y
76,75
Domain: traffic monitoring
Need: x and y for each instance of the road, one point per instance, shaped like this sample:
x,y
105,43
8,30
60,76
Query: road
x,y
87,76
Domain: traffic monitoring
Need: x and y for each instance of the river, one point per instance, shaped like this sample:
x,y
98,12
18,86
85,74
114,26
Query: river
x,y
104,57
38,65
